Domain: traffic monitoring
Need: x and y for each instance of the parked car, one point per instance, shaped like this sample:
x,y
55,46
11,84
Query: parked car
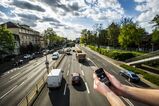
x,y
18,62
131,76
76,79
55,56
27,56
54,78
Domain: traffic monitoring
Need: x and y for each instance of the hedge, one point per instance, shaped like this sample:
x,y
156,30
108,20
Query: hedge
x,y
115,54
152,78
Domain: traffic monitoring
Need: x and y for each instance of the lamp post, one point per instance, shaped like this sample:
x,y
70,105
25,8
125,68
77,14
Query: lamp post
x,y
46,62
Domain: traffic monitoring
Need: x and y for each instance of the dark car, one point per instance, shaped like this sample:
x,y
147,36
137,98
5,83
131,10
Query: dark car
x,y
18,62
131,76
76,79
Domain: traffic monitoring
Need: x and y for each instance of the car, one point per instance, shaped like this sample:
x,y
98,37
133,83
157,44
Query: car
x,y
76,79
27,56
131,76
55,56
18,62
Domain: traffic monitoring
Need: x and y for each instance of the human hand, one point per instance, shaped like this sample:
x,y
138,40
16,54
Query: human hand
x,y
116,86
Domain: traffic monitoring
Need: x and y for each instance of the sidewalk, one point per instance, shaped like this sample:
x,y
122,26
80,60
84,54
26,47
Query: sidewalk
x,y
118,63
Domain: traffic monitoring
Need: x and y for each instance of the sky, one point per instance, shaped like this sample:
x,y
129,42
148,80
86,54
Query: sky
x,y
69,17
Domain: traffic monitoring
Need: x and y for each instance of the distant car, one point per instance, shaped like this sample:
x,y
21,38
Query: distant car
x,y
55,56
131,76
76,79
18,62
27,56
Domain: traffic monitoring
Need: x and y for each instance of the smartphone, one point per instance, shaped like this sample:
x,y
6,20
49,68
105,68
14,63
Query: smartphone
x,y
102,76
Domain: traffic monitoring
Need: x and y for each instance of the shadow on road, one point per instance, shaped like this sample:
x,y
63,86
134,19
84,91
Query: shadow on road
x,y
87,63
57,96
142,84
81,87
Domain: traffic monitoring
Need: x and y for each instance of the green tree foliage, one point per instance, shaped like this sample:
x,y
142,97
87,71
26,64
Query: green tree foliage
x,y
130,35
113,33
155,36
156,21
51,36
7,40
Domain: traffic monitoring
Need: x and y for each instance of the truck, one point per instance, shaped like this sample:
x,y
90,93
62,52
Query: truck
x,y
54,78
78,51
81,57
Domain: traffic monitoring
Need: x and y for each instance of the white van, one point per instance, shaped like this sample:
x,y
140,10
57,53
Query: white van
x,y
54,78
55,56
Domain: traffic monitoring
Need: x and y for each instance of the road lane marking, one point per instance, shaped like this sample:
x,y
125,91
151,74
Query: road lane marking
x,y
21,83
80,65
87,88
82,72
68,72
14,76
8,92
128,101
65,89
129,83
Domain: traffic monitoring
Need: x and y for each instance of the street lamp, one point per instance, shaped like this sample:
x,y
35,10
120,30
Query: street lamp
x,y
46,62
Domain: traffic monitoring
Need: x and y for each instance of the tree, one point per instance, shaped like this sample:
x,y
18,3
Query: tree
x,y
113,33
7,40
156,21
155,36
130,35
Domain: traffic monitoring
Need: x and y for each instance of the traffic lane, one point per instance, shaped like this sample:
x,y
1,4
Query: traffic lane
x,y
20,90
78,93
24,86
55,97
95,97
15,80
14,72
114,72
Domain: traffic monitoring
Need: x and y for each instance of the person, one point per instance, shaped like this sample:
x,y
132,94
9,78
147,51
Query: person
x,y
116,89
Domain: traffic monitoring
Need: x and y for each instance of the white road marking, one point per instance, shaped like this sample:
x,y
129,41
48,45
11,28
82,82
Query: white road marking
x,y
21,83
129,83
128,101
87,88
8,92
14,76
82,72
69,66
68,72
65,89
80,65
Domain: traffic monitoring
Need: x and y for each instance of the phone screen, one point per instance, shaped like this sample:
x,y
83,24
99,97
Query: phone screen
x,y
102,76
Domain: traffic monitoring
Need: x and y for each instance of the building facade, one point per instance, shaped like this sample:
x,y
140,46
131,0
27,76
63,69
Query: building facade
x,y
24,35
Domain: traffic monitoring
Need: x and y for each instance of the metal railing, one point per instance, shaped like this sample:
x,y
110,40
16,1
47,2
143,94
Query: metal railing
x,y
147,55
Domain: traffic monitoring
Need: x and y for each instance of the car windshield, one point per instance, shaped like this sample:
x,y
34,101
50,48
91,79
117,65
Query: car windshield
x,y
134,75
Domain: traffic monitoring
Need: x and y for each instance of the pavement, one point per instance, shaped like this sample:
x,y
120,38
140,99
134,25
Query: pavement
x,y
16,83
83,95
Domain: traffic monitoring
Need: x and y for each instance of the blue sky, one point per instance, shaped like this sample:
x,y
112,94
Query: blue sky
x,y
69,17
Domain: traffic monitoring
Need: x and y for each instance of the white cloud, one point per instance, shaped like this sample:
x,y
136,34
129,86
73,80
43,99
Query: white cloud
x,y
149,9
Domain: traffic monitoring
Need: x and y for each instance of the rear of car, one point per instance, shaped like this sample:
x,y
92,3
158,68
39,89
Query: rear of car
x,y
76,79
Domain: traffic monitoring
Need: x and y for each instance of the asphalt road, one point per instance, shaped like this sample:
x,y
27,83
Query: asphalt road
x,y
83,95
15,83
